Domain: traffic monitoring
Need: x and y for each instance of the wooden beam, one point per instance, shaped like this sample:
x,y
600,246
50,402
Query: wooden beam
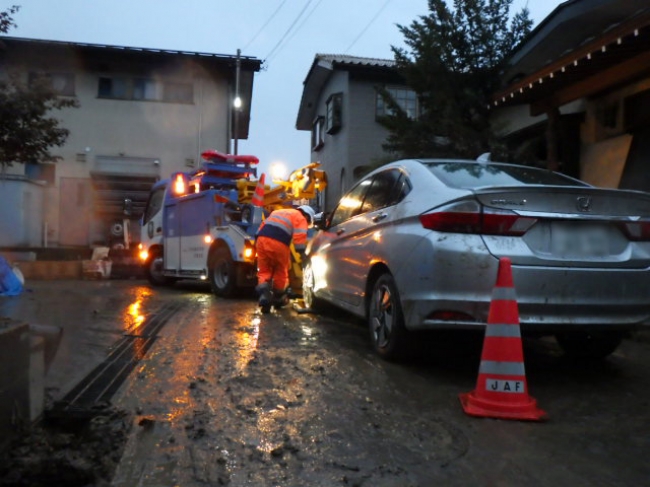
x,y
594,84
621,31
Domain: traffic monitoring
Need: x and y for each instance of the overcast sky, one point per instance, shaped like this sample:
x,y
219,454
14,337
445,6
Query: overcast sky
x,y
285,34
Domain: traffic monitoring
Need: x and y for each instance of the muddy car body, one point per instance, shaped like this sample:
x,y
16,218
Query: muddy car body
x,y
416,244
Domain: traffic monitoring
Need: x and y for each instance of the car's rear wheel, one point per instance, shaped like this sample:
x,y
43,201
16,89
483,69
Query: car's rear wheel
x,y
222,273
589,345
385,319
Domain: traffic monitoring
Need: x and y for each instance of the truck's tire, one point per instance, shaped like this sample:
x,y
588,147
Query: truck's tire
x,y
222,273
117,229
154,271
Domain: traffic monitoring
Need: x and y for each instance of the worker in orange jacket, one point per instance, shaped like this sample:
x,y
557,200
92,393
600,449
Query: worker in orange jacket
x,y
273,254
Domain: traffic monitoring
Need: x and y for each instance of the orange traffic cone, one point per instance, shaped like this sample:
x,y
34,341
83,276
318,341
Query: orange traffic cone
x,y
258,196
501,388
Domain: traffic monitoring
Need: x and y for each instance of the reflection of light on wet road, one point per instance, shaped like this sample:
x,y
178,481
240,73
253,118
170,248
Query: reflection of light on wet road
x,y
139,349
133,316
307,334
269,424
265,427
203,305
134,312
246,338
180,407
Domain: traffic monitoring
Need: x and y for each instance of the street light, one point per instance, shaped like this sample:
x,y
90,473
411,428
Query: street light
x,y
278,170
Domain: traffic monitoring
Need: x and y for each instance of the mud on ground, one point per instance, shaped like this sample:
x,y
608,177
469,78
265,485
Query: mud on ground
x,y
72,454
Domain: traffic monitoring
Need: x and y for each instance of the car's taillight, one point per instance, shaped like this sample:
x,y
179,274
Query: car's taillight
x,y
503,223
471,217
637,231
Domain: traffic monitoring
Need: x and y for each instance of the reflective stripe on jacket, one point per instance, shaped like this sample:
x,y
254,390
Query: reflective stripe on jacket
x,y
285,224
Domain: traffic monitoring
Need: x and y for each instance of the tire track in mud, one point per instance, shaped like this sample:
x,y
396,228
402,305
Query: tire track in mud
x,y
238,398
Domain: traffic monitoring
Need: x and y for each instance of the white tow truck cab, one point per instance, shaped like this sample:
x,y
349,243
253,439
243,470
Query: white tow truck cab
x,y
195,225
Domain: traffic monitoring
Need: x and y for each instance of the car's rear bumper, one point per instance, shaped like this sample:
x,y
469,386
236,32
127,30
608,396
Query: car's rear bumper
x,y
548,299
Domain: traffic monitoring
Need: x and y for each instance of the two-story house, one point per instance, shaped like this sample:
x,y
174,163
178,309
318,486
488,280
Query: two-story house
x,y
143,113
575,97
340,105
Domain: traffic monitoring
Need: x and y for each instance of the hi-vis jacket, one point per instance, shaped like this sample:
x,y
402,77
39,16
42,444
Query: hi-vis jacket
x,y
283,225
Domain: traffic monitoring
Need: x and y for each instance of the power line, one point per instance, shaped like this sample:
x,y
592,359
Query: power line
x,y
295,21
265,24
368,25
297,29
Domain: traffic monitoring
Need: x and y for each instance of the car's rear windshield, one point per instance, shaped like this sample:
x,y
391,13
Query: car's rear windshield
x,y
469,175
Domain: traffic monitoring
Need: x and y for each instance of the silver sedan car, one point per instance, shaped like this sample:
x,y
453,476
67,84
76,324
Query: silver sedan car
x,y
415,245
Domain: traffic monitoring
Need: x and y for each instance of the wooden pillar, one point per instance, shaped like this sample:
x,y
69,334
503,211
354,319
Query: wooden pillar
x,y
552,139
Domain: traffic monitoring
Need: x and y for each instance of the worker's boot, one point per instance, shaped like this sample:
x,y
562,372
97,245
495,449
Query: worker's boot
x,y
280,298
265,296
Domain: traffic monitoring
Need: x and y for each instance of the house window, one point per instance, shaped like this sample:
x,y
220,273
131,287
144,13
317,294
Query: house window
x,y
113,88
334,107
145,89
317,135
61,83
405,98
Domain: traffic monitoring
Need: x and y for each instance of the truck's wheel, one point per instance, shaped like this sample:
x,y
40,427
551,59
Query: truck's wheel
x,y
222,273
154,271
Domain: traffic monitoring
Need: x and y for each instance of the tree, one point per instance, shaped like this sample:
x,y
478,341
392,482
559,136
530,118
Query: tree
x,y
26,132
6,21
453,62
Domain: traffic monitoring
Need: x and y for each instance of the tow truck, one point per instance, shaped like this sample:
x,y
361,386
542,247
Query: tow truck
x,y
201,225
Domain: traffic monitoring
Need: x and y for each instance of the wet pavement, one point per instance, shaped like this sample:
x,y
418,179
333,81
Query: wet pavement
x,y
223,395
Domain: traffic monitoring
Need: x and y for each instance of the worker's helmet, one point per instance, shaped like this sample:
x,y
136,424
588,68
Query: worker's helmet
x,y
309,213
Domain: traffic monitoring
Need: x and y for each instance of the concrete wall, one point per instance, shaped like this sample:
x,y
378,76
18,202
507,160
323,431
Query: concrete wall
x,y
14,380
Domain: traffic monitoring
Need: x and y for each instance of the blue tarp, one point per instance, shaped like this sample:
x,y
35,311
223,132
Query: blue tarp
x,y
10,285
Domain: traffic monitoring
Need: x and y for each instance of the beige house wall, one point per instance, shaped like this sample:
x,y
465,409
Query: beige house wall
x,y
171,135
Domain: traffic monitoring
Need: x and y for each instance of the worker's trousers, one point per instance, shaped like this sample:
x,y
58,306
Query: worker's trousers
x,y
273,261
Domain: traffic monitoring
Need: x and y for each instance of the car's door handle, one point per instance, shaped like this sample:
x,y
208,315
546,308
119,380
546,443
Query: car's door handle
x,y
340,231
379,217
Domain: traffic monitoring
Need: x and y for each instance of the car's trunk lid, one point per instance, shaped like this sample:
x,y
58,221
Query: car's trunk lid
x,y
574,226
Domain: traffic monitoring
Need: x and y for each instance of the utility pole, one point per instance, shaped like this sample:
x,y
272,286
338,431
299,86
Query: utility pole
x,y
237,102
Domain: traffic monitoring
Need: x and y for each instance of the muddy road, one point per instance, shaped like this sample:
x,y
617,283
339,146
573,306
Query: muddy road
x,y
223,395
